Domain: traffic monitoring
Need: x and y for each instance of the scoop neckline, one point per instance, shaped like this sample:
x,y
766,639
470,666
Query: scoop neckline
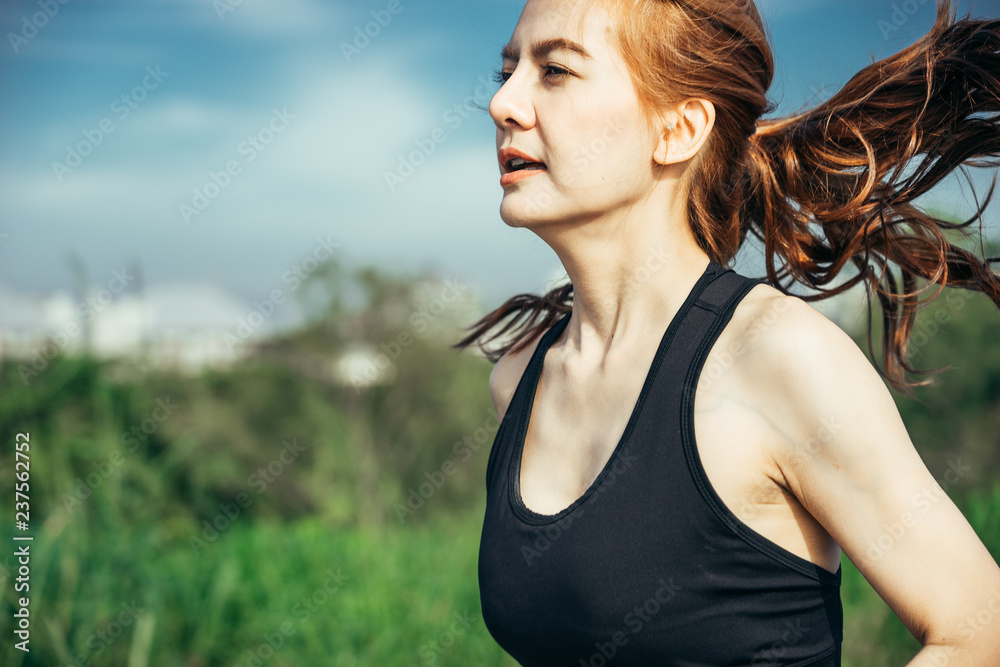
x,y
522,511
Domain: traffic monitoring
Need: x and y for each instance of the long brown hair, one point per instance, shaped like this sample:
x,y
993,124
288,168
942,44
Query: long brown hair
x,y
823,188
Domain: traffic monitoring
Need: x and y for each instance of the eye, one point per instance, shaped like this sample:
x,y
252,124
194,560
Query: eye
x,y
553,72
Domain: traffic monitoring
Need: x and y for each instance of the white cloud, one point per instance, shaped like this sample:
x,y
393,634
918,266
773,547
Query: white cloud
x,y
179,116
324,173
122,20
349,128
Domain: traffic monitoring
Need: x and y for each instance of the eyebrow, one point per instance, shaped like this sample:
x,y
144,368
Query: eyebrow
x,y
544,47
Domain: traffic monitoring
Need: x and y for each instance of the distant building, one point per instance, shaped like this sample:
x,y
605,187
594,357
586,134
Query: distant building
x,y
195,326
185,326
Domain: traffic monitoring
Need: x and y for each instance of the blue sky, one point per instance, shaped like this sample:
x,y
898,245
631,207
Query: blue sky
x,y
166,93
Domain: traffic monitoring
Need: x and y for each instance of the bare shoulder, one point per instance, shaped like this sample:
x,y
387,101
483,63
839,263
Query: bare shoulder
x,y
773,332
507,372
784,338
807,378
828,421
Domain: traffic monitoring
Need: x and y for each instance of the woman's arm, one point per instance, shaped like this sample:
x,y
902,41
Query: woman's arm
x,y
841,445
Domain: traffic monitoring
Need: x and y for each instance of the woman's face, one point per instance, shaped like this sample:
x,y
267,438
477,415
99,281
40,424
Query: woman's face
x,y
568,102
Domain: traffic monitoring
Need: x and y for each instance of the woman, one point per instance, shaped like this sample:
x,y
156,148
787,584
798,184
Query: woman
x,y
684,452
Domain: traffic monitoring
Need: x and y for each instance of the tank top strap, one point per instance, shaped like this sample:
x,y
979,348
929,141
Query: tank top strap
x,y
717,304
534,367
648,531
724,293
713,310
516,405
721,298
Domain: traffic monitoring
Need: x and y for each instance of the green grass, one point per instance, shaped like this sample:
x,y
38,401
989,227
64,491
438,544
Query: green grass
x,y
330,512
319,595
392,593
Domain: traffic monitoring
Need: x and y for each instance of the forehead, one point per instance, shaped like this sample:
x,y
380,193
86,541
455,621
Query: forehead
x,y
584,22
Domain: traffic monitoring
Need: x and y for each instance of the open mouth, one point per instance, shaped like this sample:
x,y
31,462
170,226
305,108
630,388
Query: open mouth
x,y
520,164
516,166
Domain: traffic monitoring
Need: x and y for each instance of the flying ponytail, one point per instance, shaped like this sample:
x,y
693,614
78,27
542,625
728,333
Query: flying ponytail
x,y
832,186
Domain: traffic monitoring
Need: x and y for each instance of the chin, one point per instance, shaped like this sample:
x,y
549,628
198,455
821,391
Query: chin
x,y
516,215
519,210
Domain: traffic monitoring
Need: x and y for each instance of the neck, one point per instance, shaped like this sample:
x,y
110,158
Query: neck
x,y
630,277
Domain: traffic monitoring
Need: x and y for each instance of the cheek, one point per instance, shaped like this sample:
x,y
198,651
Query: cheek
x,y
607,147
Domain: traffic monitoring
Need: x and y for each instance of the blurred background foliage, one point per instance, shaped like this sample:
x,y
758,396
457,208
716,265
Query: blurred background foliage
x,y
261,521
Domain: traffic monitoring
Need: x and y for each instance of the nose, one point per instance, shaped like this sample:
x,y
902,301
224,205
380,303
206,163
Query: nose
x,y
511,106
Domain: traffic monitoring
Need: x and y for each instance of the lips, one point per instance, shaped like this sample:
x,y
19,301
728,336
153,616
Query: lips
x,y
512,160
516,165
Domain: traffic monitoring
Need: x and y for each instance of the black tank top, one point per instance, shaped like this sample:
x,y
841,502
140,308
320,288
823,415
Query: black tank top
x,y
648,566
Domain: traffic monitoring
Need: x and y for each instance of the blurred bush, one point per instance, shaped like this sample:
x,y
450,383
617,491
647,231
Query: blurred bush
x,y
218,501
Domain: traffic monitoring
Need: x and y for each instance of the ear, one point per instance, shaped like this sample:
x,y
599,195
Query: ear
x,y
684,131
